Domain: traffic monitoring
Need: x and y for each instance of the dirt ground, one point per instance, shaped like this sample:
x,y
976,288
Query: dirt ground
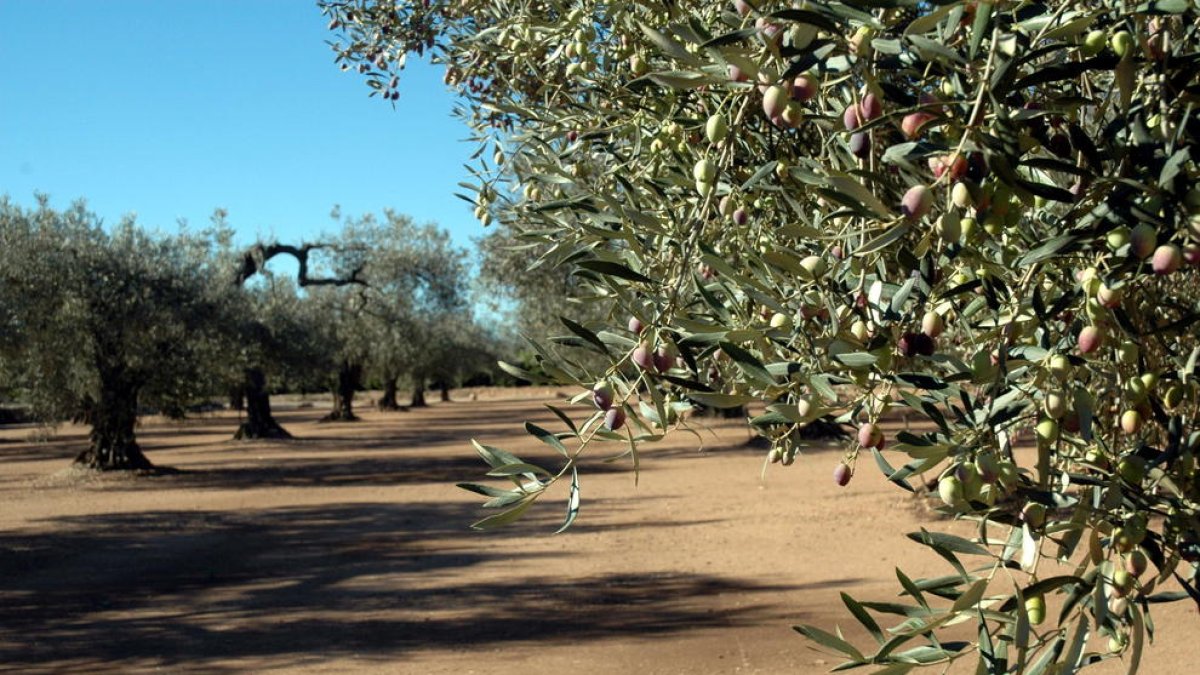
x,y
348,550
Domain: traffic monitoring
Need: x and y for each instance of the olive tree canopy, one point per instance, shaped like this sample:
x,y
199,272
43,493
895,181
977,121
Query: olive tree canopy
x,y
981,213
388,327
103,321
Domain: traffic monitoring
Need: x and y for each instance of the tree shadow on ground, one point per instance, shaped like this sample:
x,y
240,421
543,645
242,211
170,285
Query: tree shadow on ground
x,y
198,589
382,470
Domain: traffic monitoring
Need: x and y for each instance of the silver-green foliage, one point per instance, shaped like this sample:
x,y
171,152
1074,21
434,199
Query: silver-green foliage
x,y
414,281
84,302
978,212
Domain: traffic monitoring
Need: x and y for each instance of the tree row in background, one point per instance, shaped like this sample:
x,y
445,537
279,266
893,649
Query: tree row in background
x,y
100,324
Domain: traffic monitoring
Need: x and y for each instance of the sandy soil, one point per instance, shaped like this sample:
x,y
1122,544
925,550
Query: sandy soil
x,y
348,550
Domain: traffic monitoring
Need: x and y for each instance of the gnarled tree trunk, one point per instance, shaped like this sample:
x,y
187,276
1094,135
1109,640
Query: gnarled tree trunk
x,y
445,391
348,378
388,400
259,421
418,395
113,445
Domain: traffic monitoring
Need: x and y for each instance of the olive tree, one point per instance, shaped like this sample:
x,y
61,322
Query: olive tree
x,y
337,324
279,341
106,320
412,277
273,333
980,213
456,346
419,277
396,341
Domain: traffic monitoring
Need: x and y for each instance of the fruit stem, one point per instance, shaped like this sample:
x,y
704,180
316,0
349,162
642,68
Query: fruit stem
x,y
1043,465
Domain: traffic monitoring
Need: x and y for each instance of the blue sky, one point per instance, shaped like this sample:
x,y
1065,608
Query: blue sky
x,y
170,108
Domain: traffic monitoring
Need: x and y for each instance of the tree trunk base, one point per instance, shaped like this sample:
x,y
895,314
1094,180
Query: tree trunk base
x,y
124,459
260,423
387,402
249,431
418,398
343,394
339,416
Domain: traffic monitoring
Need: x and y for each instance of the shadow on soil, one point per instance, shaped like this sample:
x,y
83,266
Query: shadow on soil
x,y
193,589
204,589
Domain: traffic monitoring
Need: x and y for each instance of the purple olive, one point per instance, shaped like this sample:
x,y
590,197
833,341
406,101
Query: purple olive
x,y
1167,258
1144,239
775,100
916,202
614,419
917,344
602,395
870,436
869,108
860,145
1090,339
842,474
803,88
642,357
977,168
851,117
912,123
663,360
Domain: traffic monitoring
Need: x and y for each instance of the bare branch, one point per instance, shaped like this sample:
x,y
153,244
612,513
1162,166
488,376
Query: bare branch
x,y
254,259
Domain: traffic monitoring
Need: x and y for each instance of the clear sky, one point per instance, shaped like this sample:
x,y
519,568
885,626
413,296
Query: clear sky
x,y
170,108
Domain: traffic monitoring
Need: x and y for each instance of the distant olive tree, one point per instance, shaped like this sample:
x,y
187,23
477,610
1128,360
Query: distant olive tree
x,y
279,340
414,278
456,346
335,319
272,334
103,321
